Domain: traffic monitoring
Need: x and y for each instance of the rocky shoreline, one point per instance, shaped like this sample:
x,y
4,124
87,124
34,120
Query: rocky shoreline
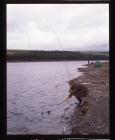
x,y
92,117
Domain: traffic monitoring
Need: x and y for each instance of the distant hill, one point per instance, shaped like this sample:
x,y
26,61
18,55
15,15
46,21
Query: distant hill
x,y
33,55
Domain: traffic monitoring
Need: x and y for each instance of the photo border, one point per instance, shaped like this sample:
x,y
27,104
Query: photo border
x,y
3,71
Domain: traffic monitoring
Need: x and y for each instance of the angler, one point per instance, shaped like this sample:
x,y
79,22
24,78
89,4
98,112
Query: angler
x,y
78,90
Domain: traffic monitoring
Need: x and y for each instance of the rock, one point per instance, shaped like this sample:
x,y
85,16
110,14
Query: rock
x,y
66,108
48,111
66,118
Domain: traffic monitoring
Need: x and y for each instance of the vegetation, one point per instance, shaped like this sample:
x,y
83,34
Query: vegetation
x,y
33,55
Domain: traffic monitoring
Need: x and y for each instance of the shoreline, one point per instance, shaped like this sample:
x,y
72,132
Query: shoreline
x,y
51,61
92,118
48,61
21,61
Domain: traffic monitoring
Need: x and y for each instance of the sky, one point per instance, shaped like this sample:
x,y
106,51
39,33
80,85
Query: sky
x,y
71,27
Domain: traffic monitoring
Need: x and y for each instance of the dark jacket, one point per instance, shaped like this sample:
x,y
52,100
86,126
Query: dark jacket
x,y
78,90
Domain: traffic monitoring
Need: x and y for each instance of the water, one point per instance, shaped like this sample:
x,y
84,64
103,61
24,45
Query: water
x,y
33,91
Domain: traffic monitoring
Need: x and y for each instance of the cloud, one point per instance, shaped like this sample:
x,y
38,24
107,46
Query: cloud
x,y
78,26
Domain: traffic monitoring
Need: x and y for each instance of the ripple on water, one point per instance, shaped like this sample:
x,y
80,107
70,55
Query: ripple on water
x,y
18,130
33,94
15,113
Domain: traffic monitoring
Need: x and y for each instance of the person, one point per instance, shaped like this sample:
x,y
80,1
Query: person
x,y
78,90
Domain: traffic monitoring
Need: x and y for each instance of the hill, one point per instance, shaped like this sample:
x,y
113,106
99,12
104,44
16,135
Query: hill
x,y
33,55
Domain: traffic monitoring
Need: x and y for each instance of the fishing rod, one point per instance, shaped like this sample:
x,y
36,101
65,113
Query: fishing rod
x,y
60,43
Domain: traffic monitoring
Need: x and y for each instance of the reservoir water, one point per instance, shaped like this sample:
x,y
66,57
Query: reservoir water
x,y
34,90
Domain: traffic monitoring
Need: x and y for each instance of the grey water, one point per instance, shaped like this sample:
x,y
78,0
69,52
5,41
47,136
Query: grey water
x,y
34,90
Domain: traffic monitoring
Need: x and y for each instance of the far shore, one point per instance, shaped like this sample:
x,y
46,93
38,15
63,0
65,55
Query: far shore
x,y
16,61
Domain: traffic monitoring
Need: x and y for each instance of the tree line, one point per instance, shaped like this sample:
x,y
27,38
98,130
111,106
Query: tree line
x,y
31,55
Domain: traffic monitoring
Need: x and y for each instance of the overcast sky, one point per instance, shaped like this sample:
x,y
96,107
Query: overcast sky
x,y
82,27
